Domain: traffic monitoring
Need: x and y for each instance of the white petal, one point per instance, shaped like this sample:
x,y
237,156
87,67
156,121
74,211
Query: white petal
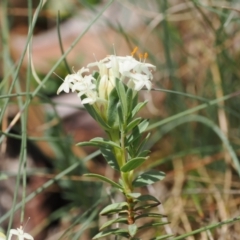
x,y
14,231
27,236
64,87
82,70
88,101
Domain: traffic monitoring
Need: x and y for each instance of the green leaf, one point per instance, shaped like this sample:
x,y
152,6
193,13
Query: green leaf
x,y
143,126
152,215
163,237
145,206
153,224
133,195
148,178
144,201
145,198
141,145
120,115
99,142
122,96
138,108
133,124
114,208
87,144
112,113
137,130
107,153
133,164
110,222
105,179
130,101
132,229
117,231
144,153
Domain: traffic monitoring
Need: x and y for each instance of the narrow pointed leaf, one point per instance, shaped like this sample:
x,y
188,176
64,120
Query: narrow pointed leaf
x,y
134,195
107,153
113,208
88,144
144,153
145,206
133,164
153,224
137,130
99,142
120,115
132,229
152,215
122,96
141,145
130,101
133,124
143,125
138,108
148,198
163,237
110,222
102,178
147,202
148,178
117,231
112,114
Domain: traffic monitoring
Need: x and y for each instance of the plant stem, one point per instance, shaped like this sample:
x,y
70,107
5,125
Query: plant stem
x,y
212,226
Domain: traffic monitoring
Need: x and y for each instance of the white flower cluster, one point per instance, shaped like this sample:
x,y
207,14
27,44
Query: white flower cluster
x,y
135,74
20,233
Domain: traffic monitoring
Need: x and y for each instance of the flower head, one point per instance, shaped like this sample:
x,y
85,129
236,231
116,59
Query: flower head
x,y
135,74
20,233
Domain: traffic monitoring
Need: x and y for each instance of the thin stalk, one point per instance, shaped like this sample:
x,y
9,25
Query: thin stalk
x,y
22,162
6,66
209,227
24,123
60,43
192,110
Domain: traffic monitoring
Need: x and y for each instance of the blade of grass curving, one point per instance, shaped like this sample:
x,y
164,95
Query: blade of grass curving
x,y
211,226
14,95
24,119
181,154
60,43
192,110
168,127
46,139
167,43
181,94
